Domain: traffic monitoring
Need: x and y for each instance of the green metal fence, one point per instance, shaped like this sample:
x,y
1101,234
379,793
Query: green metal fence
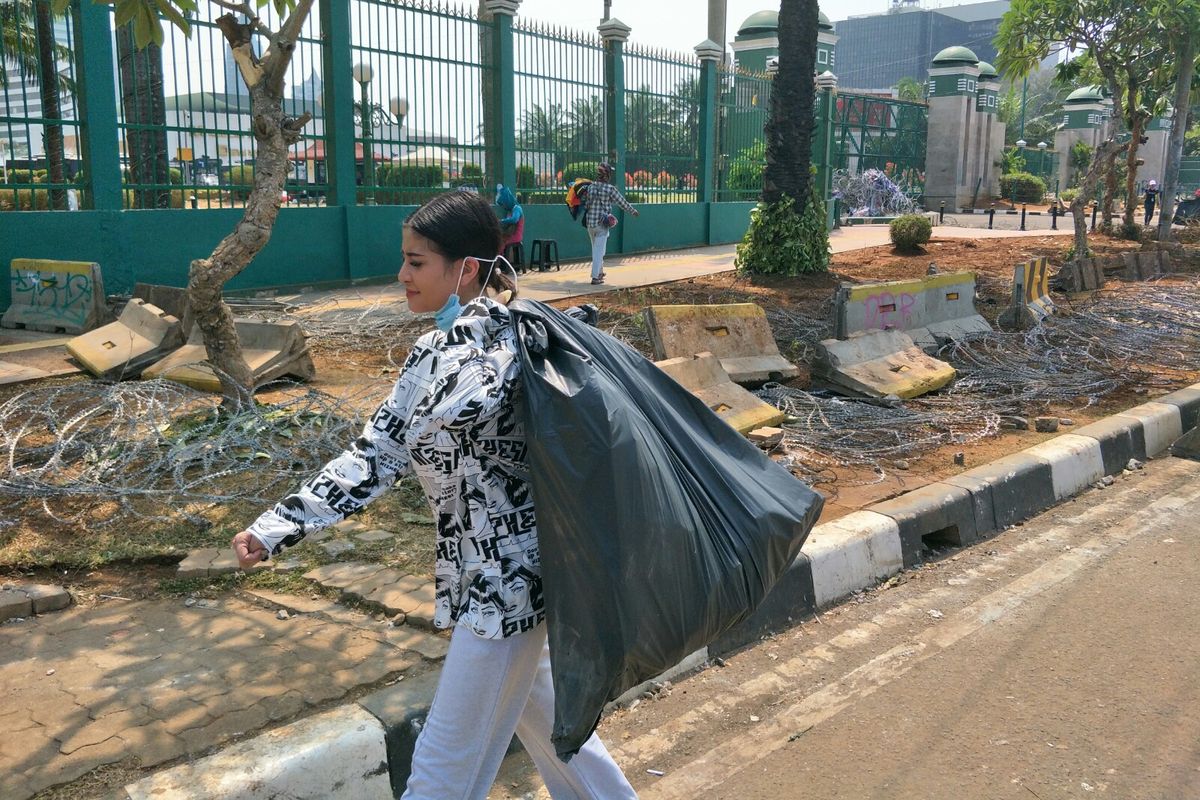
x,y
877,133
183,116
662,124
422,72
561,114
744,101
1189,175
39,122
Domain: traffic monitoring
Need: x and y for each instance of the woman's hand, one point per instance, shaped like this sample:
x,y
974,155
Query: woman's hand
x,y
249,550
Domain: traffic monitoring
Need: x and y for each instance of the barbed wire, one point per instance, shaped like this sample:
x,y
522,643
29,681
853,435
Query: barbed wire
x,y
98,452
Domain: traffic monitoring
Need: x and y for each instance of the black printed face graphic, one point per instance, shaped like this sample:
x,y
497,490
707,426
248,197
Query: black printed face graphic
x,y
486,622
516,595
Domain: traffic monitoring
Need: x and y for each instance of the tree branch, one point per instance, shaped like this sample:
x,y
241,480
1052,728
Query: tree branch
x,y
237,34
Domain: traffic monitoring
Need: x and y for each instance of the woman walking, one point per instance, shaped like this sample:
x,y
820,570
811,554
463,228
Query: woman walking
x,y
451,421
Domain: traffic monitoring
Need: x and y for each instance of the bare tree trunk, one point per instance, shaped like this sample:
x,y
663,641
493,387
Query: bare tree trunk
x,y
48,85
144,104
1103,156
1183,85
789,129
1110,192
274,134
1137,122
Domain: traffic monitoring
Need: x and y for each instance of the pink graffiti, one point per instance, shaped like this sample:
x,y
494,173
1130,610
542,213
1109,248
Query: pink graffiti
x,y
886,311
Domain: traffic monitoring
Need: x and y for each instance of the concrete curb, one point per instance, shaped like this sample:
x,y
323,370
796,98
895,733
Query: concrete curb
x,y
363,749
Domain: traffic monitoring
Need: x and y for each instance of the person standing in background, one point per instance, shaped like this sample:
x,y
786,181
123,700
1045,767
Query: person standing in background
x,y
599,218
1151,198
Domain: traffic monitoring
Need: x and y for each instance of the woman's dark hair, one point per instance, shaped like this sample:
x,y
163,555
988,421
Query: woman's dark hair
x,y
461,224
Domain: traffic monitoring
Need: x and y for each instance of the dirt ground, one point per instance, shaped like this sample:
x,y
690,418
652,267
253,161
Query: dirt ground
x,y
36,542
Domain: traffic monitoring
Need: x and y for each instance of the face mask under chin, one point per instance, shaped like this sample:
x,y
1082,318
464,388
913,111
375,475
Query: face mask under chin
x,y
450,311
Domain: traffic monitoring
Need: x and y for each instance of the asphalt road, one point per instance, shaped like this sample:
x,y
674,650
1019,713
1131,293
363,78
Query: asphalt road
x,y
1060,659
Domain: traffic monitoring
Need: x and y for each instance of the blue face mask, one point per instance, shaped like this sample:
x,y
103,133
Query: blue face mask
x,y
450,311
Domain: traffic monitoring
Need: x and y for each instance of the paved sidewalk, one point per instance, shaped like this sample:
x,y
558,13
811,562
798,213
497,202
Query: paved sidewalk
x,y
156,680
645,269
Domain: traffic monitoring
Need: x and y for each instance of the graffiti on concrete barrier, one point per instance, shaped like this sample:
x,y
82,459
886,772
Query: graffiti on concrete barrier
x,y
50,299
888,310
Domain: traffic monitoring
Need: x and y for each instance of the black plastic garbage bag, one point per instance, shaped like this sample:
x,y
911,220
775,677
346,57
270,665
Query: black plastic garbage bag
x,y
659,526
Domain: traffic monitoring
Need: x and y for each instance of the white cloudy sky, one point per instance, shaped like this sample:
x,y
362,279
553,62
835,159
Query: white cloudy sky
x,y
680,24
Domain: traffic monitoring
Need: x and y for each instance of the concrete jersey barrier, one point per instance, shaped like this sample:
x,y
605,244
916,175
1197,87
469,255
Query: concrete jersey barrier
x,y
271,349
703,376
738,334
142,335
878,364
55,296
1031,301
927,309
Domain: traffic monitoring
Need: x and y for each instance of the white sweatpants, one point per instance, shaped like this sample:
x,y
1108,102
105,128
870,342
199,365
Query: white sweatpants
x,y
599,238
489,689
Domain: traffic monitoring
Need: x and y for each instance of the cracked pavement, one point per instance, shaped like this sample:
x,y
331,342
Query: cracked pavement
x,y
148,682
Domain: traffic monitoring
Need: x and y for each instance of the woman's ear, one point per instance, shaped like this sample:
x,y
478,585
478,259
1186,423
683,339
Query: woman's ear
x,y
470,272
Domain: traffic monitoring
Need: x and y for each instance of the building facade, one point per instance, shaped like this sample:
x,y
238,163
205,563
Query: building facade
x,y
876,51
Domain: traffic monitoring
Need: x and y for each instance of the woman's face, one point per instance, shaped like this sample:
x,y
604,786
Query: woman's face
x,y
516,594
429,278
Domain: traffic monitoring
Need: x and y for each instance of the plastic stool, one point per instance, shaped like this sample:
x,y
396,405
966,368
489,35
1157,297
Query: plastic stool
x,y
515,253
544,253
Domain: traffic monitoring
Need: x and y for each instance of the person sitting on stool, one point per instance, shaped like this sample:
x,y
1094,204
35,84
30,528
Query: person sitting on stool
x,y
512,226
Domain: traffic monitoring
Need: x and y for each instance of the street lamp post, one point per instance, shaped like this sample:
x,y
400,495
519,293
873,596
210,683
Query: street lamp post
x,y
1042,160
1021,144
363,73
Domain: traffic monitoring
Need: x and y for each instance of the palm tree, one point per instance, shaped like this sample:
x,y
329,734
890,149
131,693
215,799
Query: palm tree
x,y
542,128
19,47
789,128
145,107
585,125
648,127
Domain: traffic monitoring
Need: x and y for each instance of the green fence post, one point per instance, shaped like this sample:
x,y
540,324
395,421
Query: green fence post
x,y
338,102
709,53
504,88
827,84
97,105
615,33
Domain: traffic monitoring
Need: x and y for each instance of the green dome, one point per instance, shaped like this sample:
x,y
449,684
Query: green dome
x,y
760,22
1085,94
768,22
986,70
955,55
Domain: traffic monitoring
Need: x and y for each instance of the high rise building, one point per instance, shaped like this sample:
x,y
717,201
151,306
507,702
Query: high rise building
x,y
876,51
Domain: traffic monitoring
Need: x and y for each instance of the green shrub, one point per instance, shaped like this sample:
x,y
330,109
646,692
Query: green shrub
x,y
910,231
1022,187
1131,232
242,179
526,177
471,170
1068,195
24,199
746,173
25,176
579,169
780,241
544,197
635,197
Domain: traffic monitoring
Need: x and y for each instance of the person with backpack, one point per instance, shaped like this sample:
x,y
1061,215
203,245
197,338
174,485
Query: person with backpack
x,y
453,421
598,217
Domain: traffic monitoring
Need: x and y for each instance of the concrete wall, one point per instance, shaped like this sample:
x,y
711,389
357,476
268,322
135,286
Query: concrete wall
x,y
318,245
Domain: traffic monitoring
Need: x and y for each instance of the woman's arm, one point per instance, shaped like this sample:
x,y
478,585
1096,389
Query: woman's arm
x,y
363,472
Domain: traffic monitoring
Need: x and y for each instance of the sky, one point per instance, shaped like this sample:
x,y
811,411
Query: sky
x,y
677,25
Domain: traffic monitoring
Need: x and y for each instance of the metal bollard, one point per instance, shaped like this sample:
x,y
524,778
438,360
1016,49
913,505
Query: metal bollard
x,y
942,212
991,216
195,201
1054,217
1022,216
1095,208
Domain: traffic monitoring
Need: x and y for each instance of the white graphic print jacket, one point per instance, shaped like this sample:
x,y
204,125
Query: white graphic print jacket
x,y
451,421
